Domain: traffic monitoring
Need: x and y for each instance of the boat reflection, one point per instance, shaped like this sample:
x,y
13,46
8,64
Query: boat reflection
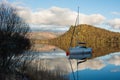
x,y
92,64
105,63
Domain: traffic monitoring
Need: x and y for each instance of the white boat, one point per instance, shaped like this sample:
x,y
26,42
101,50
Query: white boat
x,y
80,52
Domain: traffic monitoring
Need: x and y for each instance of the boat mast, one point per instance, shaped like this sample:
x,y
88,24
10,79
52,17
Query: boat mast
x,y
78,15
74,28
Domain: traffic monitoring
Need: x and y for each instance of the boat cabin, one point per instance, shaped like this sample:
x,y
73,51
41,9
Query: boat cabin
x,y
79,52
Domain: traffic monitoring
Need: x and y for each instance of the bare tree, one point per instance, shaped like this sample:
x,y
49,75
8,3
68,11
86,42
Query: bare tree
x,y
13,37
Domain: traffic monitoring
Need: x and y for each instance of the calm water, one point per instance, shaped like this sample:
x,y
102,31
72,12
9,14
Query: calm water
x,y
99,68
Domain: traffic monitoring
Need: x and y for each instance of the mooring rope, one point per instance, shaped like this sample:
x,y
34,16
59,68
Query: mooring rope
x,y
72,69
77,70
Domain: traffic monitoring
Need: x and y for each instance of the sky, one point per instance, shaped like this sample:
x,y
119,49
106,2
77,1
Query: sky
x,y
59,15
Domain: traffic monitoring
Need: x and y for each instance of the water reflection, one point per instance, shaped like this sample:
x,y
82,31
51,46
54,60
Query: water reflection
x,y
99,48
105,48
96,63
100,67
93,64
115,59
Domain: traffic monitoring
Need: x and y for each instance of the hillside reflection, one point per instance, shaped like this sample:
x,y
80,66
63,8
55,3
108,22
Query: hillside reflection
x,y
105,48
100,49
93,64
105,65
105,61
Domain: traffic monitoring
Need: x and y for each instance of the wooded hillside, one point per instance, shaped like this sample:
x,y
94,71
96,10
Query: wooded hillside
x,y
102,41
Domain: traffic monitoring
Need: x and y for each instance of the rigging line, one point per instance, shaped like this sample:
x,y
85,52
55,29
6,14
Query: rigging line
x,y
72,69
77,39
78,15
73,31
77,69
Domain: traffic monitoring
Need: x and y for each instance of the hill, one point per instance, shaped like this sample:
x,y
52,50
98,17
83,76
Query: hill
x,y
102,41
42,35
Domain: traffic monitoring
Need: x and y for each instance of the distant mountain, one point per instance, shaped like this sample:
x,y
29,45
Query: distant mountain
x,y
43,35
102,41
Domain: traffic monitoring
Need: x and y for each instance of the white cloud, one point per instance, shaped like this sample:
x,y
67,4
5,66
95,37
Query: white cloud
x,y
52,64
51,28
115,23
25,13
58,16
51,16
115,60
116,13
55,16
95,64
61,17
93,19
4,1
